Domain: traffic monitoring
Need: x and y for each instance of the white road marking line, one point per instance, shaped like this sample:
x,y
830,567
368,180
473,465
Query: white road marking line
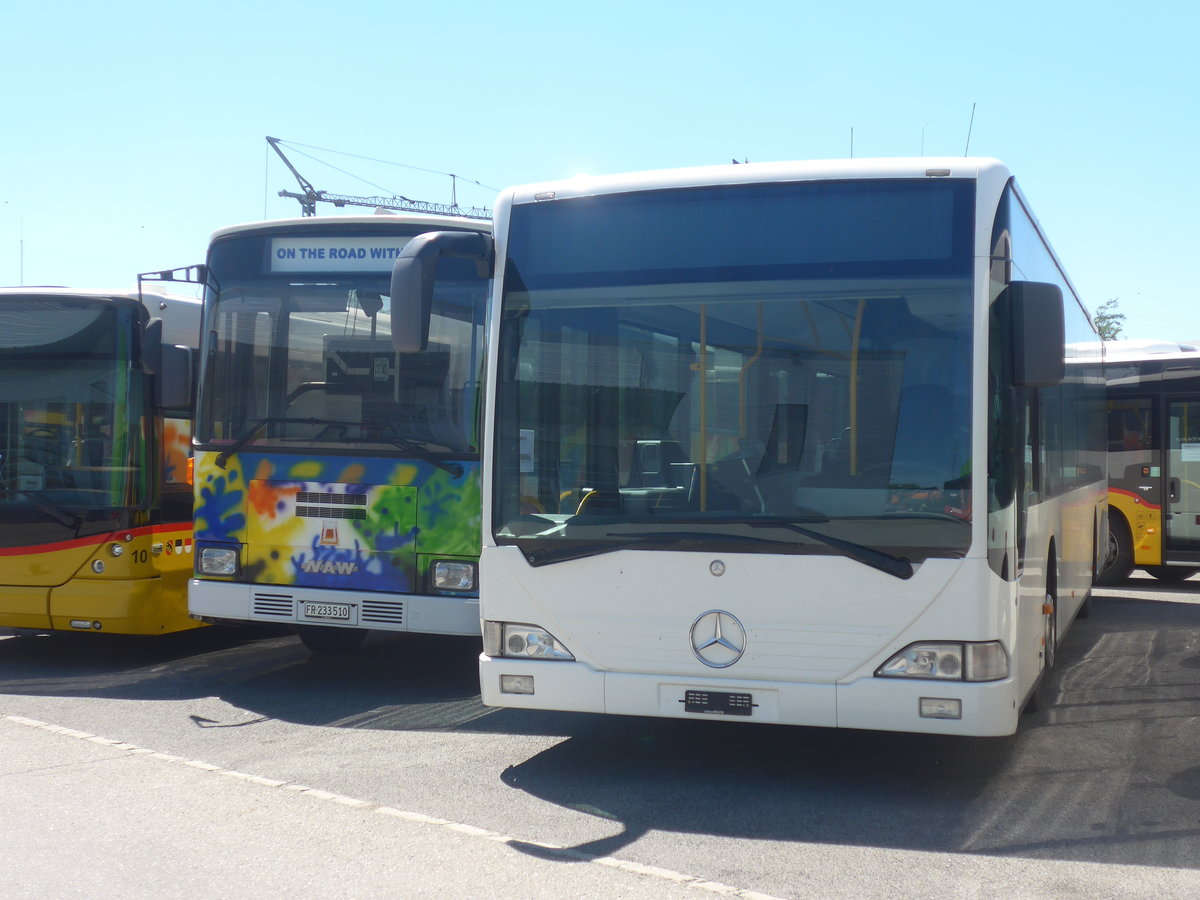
x,y
701,884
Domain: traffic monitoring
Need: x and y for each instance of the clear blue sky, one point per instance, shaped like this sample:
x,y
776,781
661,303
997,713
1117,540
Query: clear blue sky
x,y
134,129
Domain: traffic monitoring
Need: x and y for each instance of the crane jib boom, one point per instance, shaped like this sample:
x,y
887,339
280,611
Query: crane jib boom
x,y
311,196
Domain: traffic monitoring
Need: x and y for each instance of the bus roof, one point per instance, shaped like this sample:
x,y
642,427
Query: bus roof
x,y
1136,350
1147,349
758,173
434,223
179,312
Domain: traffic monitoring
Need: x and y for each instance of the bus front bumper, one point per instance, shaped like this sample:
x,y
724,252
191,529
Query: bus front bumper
x,y
120,606
984,709
223,601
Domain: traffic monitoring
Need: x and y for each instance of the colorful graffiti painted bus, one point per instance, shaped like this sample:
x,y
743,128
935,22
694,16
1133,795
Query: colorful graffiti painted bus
x,y
787,443
337,480
1153,459
95,503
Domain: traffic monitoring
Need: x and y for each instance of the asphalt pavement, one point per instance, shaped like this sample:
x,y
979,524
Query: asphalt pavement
x,y
214,765
86,816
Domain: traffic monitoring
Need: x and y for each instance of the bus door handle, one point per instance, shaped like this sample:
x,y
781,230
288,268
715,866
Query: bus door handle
x,y
1173,489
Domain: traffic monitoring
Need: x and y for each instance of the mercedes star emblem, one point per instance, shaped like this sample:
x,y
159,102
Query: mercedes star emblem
x,y
718,638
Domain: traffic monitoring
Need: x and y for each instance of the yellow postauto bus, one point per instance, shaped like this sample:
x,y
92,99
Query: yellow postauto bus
x,y
1153,460
95,434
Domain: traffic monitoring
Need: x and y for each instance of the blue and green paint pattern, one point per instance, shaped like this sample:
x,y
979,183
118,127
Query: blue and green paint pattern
x,y
334,522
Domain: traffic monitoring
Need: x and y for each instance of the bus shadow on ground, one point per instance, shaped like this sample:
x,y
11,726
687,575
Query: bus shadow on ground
x,y
1108,771
265,670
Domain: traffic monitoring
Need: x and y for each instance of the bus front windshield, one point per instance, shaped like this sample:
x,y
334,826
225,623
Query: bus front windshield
x,y
302,359
768,368
72,419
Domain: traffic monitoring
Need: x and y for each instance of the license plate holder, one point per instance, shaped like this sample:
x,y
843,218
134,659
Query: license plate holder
x,y
718,703
336,612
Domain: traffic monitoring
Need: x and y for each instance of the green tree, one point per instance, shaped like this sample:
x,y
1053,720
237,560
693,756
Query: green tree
x,y
1108,321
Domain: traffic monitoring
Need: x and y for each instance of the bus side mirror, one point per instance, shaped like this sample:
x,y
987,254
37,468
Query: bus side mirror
x,y
1039,342
414,274
173,384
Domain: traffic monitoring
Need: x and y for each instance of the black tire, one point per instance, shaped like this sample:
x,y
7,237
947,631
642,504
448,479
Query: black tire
x,y
1118,560
1171,574
320,639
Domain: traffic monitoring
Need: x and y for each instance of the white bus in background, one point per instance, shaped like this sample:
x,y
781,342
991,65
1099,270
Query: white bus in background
x,y
790,443
337,481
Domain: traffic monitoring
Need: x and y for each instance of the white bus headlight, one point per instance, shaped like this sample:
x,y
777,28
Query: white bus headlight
x,y
516,641
217,561
948,661
925,661
453,575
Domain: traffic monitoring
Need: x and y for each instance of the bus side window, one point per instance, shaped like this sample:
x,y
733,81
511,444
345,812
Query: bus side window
x,y
1127,431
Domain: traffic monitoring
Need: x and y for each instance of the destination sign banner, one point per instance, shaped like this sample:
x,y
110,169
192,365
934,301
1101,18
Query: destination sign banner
x,y
365,253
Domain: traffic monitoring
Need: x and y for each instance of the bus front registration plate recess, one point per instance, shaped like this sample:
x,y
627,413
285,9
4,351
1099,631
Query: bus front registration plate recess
x,y
718,703
327,611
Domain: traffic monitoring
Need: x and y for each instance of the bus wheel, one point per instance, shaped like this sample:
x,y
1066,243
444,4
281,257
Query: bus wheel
x,y
1049,633
1171,574
1118,560
1039,699
320,639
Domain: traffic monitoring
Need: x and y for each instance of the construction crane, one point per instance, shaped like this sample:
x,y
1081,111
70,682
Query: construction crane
x,y
311,196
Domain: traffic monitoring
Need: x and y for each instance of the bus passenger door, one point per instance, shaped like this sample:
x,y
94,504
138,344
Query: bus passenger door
x,y
1182,520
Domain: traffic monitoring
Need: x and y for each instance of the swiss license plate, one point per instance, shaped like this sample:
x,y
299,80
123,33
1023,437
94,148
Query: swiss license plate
x,y
327,611
718,703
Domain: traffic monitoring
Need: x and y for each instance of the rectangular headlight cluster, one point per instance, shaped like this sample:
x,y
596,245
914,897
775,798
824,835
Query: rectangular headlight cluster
x,y
453,575
219,561
948,661
516,641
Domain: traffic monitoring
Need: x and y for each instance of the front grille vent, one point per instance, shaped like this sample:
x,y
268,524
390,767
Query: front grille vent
x,y
383,612
329,498
330,505
274,605
329,512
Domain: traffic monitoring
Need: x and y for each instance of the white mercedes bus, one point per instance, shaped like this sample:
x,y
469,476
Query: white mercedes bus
x,y
791,443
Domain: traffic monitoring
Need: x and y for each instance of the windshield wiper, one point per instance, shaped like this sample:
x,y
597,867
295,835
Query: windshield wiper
x,y
642,541
70,520
244,438
922,514
411,446
674,540
405,444
876,559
